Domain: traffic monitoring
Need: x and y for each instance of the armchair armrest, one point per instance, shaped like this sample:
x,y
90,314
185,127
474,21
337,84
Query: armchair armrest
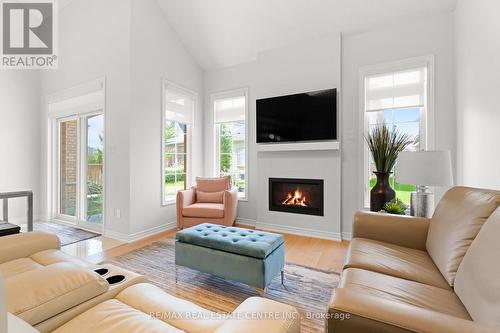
x,y
400,230
352,311
274,318
183,199
26,244
230,200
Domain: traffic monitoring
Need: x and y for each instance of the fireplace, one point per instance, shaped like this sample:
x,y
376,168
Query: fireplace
x,y
293,195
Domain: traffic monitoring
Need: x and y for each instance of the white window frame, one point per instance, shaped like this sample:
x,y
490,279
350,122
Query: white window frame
x,y
427,114
188,160
216,142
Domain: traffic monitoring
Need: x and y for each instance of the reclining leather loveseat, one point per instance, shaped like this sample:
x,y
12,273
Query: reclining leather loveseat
x,y
56,292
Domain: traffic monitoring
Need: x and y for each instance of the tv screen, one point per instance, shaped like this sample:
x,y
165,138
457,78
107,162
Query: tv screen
x,y
299,117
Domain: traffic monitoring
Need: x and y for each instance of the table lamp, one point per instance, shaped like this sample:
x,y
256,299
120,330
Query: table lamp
x,y
424,169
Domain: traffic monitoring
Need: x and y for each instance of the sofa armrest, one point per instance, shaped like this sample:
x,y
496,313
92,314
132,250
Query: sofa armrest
x,y
352,311
400,230
26,244
183,199
230,201
258,314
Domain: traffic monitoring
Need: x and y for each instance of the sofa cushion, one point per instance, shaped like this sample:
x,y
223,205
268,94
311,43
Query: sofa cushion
x,y
213,184
208,210
114,316
394,260
403,291
456,221
49,257
18,266
477,281
174,311
39,294
252,243
209,197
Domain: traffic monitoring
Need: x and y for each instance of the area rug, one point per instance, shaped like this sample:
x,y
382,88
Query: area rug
x,y
67,234
306,289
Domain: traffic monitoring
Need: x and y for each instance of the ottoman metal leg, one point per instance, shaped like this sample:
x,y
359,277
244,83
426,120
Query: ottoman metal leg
x,y
282,277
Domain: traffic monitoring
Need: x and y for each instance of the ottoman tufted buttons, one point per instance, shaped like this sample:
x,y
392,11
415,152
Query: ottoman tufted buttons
x,y
261,235
224,235
235,240
208,226
205,234
216,230
232,230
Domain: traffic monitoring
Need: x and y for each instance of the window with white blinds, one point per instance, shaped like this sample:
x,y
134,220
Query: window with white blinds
x,y
399,100
403,89
178,118
230,131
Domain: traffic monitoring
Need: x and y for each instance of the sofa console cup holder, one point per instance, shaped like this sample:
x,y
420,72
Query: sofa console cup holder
x,y
115,279
101,271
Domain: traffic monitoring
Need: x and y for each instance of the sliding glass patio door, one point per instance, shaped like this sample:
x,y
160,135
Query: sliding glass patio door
x,y
80,166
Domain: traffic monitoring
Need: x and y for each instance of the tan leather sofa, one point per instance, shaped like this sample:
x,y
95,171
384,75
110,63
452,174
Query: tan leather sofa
x,y
408,274
53,291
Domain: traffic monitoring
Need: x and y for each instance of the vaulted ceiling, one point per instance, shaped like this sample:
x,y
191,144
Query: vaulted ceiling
x,y
221,33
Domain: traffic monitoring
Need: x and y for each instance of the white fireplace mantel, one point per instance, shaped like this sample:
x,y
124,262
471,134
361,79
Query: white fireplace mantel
x,y
298,146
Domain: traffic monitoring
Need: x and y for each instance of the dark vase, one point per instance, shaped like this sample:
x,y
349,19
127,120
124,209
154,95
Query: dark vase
x,y
382,192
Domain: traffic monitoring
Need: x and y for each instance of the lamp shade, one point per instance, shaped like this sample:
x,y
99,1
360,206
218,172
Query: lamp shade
x,y
429,168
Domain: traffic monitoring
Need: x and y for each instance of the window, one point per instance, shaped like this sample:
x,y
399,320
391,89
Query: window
x,y
398,99
231,138
177,123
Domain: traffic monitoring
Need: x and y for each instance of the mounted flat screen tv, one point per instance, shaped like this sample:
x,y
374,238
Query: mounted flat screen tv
x,y
309,116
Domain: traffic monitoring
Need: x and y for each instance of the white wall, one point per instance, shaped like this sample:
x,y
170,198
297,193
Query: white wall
x,y
94,41
429,36
478,83
309,66
133,47
20,138
156,53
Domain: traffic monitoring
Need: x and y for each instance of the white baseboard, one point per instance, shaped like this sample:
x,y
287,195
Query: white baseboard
x,y
246,222
141,234
346,236
290,230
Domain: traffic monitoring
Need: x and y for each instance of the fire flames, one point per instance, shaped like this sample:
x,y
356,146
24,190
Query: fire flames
x,y
295,199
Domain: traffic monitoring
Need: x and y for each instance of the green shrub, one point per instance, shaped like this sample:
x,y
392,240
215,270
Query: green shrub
x,y
395,206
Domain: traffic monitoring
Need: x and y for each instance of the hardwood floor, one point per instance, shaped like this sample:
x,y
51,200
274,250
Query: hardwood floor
x,y
316,253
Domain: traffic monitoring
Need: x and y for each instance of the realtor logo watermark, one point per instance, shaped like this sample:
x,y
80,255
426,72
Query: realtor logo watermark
x,y
28,35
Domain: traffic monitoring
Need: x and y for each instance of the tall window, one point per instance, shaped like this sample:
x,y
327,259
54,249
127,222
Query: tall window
x,y
397,99
177,121
231,138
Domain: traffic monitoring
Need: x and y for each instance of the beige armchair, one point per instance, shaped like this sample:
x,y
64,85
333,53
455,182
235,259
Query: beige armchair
x,y
211,201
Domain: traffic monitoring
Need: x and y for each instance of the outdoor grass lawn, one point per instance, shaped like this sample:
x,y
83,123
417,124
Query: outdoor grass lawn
x,y
173,187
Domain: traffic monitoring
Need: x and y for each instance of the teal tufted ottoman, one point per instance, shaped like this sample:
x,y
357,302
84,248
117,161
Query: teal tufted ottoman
x,y
249,256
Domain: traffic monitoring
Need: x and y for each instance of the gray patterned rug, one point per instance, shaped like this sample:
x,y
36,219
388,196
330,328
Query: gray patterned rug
x,y
67,234
306,289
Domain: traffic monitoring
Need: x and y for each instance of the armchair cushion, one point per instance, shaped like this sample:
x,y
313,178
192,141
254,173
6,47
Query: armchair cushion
x,y
209,197
394,260
207,210
455,224
213,184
